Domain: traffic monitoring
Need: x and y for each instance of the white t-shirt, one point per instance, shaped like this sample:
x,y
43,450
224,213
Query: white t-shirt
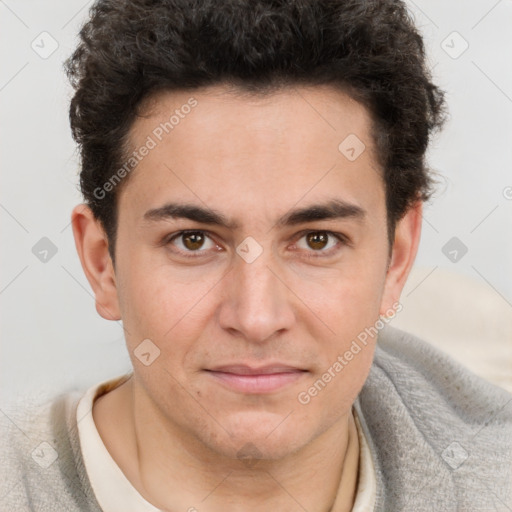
x,y
114,491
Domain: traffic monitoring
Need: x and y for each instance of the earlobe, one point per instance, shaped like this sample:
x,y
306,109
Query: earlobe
x,y
405,247
92,248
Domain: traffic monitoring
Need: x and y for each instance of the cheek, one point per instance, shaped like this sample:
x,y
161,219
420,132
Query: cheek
x,y
347,299
351,312
159,304
333,392
346,303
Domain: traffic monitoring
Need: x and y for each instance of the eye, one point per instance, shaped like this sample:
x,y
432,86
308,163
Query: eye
x,y
192,241
320,241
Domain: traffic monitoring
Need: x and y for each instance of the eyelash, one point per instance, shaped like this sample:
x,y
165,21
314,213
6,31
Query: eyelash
x,y
342,239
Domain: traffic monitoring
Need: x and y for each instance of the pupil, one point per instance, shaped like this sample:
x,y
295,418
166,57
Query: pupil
x,y
317,240
193,241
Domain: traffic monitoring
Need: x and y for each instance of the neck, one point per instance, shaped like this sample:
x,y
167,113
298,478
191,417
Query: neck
x,y
175,471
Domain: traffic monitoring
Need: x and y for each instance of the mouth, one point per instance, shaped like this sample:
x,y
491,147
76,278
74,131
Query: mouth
x,y
252,380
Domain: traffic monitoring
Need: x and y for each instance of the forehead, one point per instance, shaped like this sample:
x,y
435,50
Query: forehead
x,y
223,147
301,114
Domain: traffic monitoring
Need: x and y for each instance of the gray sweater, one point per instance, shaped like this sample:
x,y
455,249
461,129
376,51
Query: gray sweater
x,y
441,439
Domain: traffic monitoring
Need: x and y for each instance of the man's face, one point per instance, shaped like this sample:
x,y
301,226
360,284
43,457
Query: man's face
x,y
223,310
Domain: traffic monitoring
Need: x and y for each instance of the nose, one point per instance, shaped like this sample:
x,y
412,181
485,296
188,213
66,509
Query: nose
x,y
256,302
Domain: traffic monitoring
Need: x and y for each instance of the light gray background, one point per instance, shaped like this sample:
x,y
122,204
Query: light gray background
x,y
51,336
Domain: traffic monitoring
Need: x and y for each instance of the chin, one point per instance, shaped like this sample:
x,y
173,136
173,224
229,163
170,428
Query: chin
x,y
256,435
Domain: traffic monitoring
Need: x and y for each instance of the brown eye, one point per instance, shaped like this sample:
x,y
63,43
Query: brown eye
x,y
317,240
192,244
193,241
320,243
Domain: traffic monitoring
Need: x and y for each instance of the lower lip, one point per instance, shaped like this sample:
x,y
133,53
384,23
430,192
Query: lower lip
x,y
257,383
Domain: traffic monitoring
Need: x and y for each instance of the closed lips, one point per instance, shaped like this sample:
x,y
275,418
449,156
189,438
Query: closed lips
x,y
247,370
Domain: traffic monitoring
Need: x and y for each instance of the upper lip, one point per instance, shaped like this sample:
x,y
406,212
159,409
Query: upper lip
x,y
243,369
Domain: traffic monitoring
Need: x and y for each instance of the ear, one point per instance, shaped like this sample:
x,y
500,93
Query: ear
x,y
405,247
92,246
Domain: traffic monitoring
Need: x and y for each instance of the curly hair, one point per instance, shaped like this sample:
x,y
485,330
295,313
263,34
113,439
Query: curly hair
x,y
369,49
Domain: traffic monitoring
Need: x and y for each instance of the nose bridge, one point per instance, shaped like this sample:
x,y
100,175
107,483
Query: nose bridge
x,y
257,282
257,304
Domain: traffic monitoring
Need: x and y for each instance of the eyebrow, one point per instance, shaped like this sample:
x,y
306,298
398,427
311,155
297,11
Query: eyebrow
x,y
333,209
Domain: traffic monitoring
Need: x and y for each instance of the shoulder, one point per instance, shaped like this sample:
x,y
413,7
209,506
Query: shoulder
x,y
439,433
422,374
41,461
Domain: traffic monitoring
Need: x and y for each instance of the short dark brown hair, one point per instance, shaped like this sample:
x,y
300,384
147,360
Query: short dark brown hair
x,y
370,49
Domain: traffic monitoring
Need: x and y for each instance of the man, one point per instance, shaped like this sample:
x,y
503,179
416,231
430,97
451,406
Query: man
x,y
254,176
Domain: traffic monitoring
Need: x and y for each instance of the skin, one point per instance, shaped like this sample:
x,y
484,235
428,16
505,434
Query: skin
x,y
175,429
